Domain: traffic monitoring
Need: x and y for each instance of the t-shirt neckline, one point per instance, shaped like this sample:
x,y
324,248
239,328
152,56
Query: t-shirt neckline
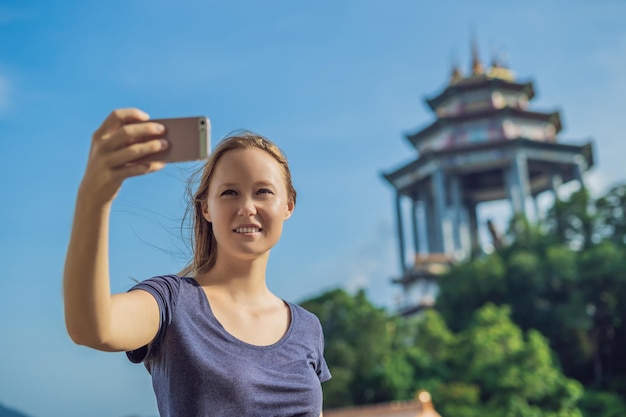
x,y
207,305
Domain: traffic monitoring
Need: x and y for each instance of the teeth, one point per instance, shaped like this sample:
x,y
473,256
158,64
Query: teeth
x,y
247,230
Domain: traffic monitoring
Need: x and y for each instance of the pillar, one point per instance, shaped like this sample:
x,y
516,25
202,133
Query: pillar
x,y
519,187
430,220
466,238
555,182
441,217
473,226
400,231
415,223
535,198
455,191
580,167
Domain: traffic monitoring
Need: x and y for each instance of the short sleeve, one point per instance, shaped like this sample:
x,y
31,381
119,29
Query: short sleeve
x,y
165,290
322,368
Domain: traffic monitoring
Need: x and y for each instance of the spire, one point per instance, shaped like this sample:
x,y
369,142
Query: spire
x,y
455,73
477,66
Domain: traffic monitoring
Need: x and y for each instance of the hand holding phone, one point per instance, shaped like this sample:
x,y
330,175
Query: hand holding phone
x,y
189,139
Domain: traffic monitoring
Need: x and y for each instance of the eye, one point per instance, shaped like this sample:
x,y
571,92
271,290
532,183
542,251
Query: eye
x,y
265,191
228,192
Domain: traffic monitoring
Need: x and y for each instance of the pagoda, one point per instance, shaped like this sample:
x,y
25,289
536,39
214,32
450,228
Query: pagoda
x,y
485,144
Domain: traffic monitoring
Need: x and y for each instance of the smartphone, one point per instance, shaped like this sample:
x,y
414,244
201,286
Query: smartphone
x,y
189,139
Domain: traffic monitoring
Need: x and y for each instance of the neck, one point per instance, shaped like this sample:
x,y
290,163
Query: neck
x,y
240,278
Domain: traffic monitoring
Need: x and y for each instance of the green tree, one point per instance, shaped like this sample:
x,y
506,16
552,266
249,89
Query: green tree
x,y
516,372
612,212
491,369
603,282
565,278
468,286
359,342
576,220
602,404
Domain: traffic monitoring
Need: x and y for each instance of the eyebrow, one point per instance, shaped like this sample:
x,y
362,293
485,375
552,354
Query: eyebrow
x,y
257,184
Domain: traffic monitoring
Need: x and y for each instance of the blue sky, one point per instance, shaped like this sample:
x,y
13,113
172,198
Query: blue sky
x,y
337,84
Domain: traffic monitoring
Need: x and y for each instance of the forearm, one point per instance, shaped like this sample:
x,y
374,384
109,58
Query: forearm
x,y
86,284
92,316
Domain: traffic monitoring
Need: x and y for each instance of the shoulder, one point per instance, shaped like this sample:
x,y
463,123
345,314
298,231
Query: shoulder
x,y
165,282
166,288
304,316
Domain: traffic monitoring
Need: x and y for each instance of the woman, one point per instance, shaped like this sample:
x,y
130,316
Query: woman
x,y
218,343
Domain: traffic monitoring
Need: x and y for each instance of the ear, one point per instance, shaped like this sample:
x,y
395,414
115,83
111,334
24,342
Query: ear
x,y
290,206
205,212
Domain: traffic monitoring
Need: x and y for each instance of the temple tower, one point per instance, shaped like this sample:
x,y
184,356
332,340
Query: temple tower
x,y
484,145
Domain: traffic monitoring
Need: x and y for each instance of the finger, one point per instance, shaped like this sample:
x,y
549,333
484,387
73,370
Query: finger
x,y
119,118
136,151
132,133
136,169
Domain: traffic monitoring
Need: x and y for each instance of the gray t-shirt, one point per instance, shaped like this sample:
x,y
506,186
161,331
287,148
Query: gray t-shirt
x,y
198,369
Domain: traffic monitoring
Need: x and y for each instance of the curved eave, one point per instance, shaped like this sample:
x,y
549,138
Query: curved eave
x,y
412,166
585,150
554,118
471,84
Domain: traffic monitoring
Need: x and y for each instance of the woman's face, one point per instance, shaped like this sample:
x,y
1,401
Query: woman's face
x,y
247,203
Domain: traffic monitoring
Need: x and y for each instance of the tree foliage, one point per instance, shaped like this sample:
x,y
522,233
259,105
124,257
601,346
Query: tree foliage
x,y
518,332
490,369
358,345
565,278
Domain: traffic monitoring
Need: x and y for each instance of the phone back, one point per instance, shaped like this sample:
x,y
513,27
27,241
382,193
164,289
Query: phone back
x,y
189,139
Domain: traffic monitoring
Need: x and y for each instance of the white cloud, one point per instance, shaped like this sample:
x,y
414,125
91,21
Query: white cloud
x,y
358,280
370,265
597,183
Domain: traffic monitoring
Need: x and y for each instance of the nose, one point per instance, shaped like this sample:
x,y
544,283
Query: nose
x,y
247,208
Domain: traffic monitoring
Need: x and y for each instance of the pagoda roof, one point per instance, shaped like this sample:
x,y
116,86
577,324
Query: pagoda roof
x,y
480,82
553,117
423,161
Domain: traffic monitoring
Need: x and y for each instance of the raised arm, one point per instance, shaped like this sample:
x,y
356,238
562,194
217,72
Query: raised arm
x,y
93,316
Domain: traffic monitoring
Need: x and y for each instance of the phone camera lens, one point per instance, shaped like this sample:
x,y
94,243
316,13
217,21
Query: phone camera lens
x,y
202,122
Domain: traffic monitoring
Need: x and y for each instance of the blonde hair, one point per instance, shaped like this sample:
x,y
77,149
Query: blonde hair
x,y
202,239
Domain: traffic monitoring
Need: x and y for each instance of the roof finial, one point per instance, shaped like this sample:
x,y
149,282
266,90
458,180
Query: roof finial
x,y
477,66
427,409
455,73
495,58
499,68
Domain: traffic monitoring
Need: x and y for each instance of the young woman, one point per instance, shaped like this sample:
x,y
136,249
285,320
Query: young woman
x,y
216,342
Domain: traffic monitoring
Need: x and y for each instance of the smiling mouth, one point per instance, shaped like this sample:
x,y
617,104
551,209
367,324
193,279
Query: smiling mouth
x,y
247,230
